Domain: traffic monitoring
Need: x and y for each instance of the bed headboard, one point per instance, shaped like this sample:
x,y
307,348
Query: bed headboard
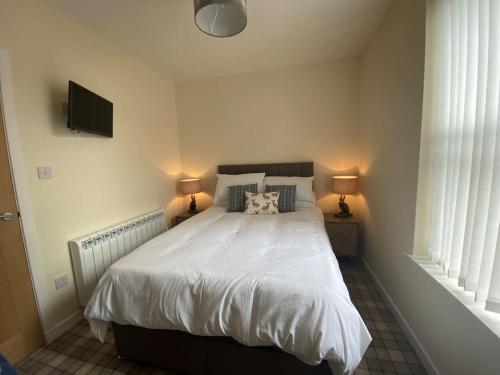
x,y
303,169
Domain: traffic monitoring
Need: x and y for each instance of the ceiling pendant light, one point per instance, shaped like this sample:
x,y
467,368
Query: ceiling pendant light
x,y
220,18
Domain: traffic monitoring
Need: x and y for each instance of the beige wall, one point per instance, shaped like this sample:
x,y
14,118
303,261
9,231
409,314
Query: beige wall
x,y
392,71
96,181
308,112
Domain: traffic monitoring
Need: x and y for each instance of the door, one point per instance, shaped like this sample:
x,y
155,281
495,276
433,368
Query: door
x,y
20,328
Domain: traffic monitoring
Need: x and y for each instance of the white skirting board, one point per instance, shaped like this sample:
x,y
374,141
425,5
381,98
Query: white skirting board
x,y
419,349
62,327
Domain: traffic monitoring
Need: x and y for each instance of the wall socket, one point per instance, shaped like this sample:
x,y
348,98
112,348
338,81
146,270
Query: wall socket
x,y
44,173
61,281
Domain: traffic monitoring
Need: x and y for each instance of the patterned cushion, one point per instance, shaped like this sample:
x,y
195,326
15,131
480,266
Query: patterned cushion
x,y
261,203
237,196
286,202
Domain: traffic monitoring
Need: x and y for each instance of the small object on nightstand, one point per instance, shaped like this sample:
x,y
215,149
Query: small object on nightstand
x,y
343,234
344,185
183,217
191,186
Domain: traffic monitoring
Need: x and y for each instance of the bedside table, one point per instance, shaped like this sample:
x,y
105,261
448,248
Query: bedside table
x,y
183,217
343,234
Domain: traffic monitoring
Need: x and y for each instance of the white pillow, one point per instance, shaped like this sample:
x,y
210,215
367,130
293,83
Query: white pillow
x,y
304,186
221,195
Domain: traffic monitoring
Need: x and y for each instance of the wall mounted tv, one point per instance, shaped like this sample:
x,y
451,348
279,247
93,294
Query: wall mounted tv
x,y
89,112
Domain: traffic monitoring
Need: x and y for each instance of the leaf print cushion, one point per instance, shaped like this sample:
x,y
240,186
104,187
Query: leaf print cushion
x,y
261,203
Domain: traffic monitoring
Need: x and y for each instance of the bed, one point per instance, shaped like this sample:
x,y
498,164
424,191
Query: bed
x,y
228,293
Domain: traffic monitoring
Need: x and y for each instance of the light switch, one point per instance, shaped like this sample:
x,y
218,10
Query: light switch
x,y
61,281
44,173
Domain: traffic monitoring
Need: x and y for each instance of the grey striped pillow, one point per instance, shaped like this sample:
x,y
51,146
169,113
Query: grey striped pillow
x,y
286,202
237,196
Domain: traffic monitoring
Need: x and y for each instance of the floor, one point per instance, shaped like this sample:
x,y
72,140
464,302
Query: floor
x,y
77,352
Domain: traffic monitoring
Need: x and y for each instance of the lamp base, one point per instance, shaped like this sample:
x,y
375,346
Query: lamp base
x,y
342,214
192,205
344,208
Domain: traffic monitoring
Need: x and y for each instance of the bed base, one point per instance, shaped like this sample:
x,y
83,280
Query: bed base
x,y
200,355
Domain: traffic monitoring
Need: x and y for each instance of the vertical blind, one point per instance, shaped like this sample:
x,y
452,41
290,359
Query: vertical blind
x,y
461,109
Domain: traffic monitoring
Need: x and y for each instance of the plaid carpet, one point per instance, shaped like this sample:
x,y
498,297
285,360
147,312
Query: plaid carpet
x,y
78,352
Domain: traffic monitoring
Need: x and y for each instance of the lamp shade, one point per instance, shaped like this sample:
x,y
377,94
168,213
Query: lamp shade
x,y
191,186
345,185
220,18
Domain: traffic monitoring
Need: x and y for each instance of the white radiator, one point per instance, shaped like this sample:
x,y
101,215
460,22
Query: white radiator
x,y
93,254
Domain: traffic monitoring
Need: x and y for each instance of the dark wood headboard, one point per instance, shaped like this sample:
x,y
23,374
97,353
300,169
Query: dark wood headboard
x,y
303,169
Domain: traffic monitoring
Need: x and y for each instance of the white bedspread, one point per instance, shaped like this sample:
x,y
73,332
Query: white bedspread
x,y
260,279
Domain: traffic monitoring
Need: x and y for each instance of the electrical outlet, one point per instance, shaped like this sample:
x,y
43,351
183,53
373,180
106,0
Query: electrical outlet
x,y
44,173
61,281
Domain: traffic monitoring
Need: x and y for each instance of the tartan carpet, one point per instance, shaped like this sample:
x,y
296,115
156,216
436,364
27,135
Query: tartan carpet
x,y
78,352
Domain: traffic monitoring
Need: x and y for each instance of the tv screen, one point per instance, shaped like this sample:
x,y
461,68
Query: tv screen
x,y
89,112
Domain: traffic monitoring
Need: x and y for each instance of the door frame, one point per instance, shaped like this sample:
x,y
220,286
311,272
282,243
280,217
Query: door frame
x,y
21,189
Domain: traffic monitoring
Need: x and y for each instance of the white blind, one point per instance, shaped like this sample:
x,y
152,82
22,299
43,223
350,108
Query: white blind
x,y
461,112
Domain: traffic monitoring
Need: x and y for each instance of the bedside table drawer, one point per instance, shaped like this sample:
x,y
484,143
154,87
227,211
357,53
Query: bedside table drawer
x,y
343,237
184,216
180,219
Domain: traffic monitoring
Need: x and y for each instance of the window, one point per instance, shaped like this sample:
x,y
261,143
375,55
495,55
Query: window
x,y
459,177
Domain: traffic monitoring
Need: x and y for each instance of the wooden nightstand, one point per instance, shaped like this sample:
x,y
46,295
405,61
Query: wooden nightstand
x,y
343,234
183,217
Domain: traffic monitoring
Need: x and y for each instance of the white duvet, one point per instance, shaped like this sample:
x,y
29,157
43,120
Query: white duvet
x,y
260,279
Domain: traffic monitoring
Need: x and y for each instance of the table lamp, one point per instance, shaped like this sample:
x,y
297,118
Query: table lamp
x,y
191,186
344,185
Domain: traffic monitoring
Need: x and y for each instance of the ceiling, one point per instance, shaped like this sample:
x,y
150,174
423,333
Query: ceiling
x,y
162,33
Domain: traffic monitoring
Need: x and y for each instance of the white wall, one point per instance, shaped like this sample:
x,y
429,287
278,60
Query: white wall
x,y
302,113
96,181
392,71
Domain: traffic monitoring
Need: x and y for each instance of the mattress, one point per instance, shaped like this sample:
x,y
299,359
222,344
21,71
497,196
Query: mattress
x,y
260,279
